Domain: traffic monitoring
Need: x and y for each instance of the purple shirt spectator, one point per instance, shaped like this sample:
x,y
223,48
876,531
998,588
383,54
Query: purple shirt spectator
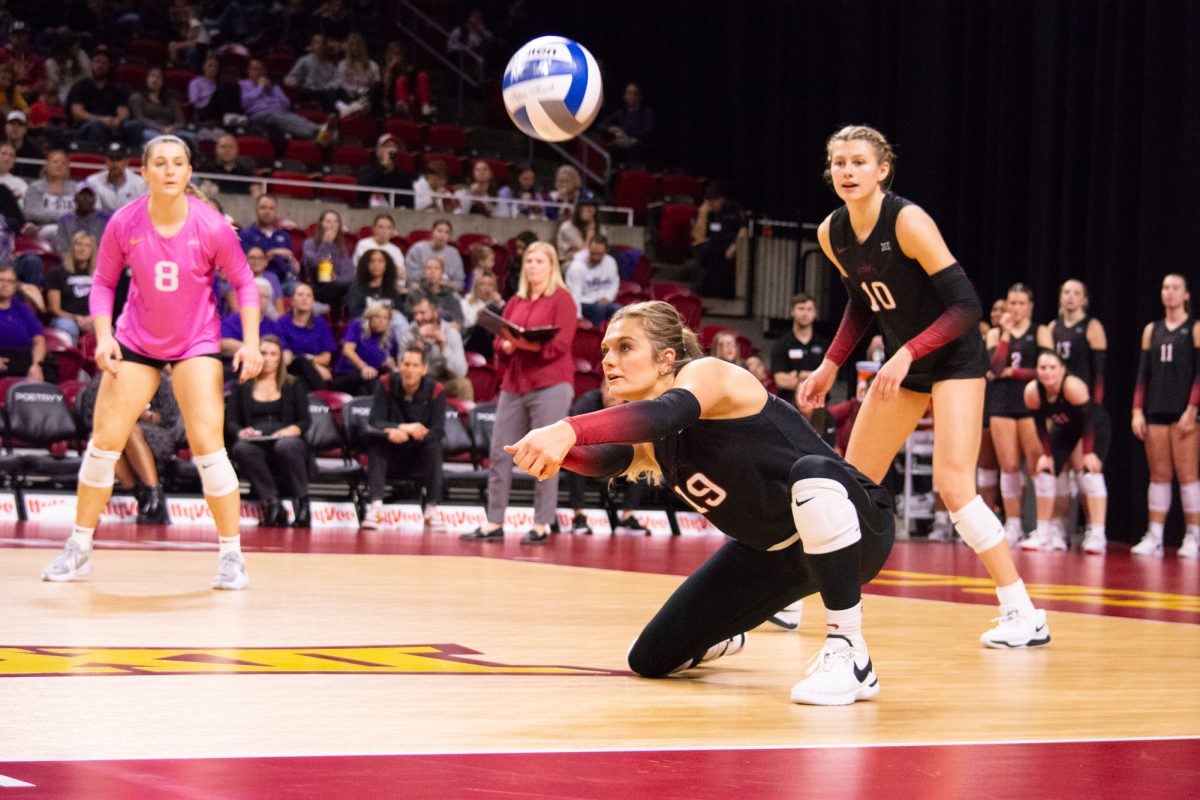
x,y
231,326
257,100
312,341
18,326
367,349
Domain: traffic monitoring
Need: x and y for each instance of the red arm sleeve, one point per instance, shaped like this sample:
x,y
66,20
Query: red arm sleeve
x,y
1194,397
962,311
855,320
599,460
1143,376
640,421
1000,357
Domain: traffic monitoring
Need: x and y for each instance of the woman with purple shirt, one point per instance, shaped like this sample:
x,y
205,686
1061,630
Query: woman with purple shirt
x,y
308,341
368,348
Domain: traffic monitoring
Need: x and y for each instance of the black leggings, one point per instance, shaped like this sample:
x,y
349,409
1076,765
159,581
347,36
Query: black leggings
x,y
739,588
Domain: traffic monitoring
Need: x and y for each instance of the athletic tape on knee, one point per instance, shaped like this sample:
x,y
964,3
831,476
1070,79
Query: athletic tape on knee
x,y
1011,484
1093,484
216,473
99,467
977,525
1045,485
1189,494
1158,497
987,478
1062,484
825,518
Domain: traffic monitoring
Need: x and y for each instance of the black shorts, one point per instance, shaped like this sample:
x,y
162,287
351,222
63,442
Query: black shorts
x,y
1165,418
1008,399
158,363
967,361
1063,440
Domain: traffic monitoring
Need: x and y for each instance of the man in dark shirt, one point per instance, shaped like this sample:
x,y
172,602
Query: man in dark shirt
x,y
631,128
799,351
411,415
16,131
226,161
383,171
100,107
715,234
275,242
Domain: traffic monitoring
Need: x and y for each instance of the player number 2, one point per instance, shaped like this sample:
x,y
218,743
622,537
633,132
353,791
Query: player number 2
x,y
700,489
166,276
880,294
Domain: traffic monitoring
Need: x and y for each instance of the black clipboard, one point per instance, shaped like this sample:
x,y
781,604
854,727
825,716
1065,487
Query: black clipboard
x,y
493,322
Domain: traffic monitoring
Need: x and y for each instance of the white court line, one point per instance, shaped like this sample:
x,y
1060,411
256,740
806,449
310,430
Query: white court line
x,y
581,751
12,783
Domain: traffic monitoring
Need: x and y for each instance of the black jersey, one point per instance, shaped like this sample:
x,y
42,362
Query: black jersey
x,y
1008,394
1172,363
1059,411
736,472
1071,344
898,290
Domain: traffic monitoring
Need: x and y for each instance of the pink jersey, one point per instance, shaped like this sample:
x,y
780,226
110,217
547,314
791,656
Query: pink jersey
x,y
171,311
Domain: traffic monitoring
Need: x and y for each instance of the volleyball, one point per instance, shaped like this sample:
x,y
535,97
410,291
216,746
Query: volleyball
x,y
552,88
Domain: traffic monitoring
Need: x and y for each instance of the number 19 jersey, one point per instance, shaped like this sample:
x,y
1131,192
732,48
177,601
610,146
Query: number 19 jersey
x,y
901,294
171,311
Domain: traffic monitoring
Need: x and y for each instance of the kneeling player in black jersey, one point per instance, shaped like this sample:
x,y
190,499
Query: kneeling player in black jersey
x,y
801,519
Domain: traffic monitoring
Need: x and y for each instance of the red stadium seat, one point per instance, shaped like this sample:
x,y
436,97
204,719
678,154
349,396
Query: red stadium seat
x,y
635,189
682,188
258,148
465,242
358,127
484,381
586,345
83,165
587,381
285,190
500,169
689,306
177,80
304,151
709,332
675,232
131,76
70,359
151,52
660,291
415,236
313,115
279,63
341,195
408,133
352,155
446,137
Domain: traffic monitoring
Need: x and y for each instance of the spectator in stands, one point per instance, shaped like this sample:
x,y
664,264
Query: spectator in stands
x,y
159,113
22,343
48,110
191,42
630,129
266,419
519,242
567,185
151,444
325,263
117,184
576,232
715,234
11,98
232,335
438,244
384,172
485,293
376,278
51,196
433,285
404,88
411,413
476,196
307,340
358,77
69,285
100,107
333,19
84,218
16,131
226,161
256,257
315,74
29,68
725,347
274,241
383,229
523,198
536,389
758,368
799,351
443,347
15,185
214,103
472,36
67,64
266,105
432,191
594,281
368,347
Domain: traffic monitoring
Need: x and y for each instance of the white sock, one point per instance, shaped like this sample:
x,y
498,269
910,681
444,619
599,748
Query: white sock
x,y
83,537
1155,529
230,544
1043,529
1015,596
847,622
1096,528
1192,530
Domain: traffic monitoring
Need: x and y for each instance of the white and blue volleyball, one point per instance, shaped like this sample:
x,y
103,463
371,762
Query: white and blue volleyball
x,y
552,88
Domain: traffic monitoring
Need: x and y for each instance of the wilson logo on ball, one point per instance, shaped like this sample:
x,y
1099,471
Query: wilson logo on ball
x,y
552,88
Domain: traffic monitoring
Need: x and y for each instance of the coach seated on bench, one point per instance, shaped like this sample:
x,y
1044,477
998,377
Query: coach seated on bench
x,y
409,416
266,418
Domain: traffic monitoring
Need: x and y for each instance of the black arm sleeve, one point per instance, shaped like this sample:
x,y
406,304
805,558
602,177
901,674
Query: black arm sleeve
x,y
599,460
962,311
1098,358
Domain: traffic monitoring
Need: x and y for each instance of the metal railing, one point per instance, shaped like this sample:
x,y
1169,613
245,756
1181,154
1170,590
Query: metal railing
x,y
468,60
590,146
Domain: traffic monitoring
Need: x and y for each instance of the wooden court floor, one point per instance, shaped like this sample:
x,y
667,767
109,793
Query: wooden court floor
x,y
422,646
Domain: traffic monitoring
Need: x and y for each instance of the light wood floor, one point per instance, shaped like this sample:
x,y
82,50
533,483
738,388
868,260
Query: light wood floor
x,y
1102,677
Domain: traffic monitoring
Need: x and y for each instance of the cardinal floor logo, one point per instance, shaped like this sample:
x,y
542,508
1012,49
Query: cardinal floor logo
x,y
410,659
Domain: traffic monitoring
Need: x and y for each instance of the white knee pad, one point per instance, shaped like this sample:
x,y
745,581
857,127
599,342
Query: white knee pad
x,y
987,478
1062,484
977,525
1045,485
1093,484
216,473
1158,497
1189,493
98,468
824,516
1011,484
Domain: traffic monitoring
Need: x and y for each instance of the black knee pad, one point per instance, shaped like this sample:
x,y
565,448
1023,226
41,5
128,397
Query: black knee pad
x,y
817,466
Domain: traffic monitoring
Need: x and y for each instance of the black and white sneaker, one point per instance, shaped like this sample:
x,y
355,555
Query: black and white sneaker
x,y
481,534
630,524
787,619
579,524
838,675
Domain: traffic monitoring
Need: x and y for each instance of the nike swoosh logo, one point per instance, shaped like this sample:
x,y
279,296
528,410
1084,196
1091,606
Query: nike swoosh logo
x,y
802,502
862,674
134,241
840,250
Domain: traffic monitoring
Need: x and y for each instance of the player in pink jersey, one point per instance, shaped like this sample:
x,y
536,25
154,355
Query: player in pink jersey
x,y
173,243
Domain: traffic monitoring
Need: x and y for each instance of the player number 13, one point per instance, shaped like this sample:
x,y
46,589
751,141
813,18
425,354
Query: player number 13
x,y
166,276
